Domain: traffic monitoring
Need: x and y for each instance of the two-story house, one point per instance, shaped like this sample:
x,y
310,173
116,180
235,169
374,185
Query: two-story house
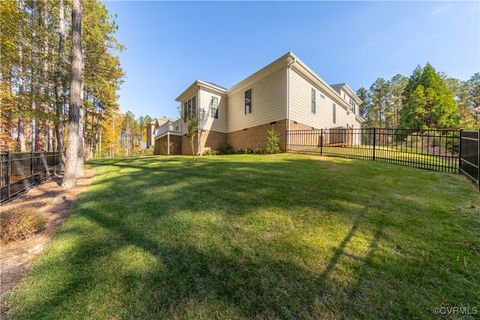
x,y
284,95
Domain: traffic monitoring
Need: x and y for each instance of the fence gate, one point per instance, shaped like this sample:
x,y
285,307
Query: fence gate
x,y
470,155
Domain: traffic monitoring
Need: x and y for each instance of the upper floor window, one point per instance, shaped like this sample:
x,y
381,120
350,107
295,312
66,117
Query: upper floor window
x,y
214,107
248,101
314,101
334,113
190,107
322,96
194,105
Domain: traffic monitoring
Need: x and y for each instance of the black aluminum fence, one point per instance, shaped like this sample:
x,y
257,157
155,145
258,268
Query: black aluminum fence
x,y
426,149
470,155
19,171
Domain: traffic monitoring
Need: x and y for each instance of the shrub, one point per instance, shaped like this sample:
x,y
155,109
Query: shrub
x,y
147,151
273,142
226,149
258,151
210,152
20,224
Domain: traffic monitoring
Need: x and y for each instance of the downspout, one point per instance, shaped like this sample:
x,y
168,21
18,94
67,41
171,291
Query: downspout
x,y
199,132
287,138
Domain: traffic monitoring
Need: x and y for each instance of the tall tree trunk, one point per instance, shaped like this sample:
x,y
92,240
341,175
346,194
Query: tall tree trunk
x,y
81,132
49,137
33,84
21,121
44,83
73,149
59,88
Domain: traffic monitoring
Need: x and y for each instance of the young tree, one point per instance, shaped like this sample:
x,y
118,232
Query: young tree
x,y
74,139
192,132
196,122
428,103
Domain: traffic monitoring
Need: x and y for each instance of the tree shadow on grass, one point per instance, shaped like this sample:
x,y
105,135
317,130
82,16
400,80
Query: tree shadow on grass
x,y
161,214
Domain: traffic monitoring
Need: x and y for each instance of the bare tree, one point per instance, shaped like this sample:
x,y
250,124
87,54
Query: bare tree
x,y
74,139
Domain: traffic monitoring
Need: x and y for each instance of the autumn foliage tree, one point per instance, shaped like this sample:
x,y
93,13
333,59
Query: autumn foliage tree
x,y
35,72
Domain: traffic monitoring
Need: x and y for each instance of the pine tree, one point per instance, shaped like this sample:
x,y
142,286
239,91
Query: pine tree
x,y
428,103
74,139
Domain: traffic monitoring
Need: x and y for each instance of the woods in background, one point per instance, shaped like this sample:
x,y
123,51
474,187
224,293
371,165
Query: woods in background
x,y
36,74
426,100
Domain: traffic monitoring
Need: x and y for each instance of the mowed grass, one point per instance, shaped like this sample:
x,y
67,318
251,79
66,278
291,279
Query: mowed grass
x,y
250,236
412,157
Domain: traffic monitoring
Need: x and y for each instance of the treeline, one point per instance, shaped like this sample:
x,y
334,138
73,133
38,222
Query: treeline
x,y
36,75
426,100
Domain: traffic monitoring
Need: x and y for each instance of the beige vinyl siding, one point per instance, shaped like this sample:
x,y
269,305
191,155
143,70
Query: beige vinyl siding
x,y
219,124
269,102
300,105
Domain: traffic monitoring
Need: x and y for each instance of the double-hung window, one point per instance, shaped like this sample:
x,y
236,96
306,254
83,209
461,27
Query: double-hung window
x,y
334,113
194,105
314,101
185,110
214,107
248,101
190,107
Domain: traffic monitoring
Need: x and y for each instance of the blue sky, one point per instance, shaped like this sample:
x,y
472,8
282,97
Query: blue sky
x,y
171,44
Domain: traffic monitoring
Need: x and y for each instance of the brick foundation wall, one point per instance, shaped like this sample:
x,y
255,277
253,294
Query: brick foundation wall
x,y
212,140
256,137
251,138
209,140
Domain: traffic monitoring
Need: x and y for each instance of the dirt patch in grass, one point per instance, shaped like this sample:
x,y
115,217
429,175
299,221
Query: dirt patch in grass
x,y
28,223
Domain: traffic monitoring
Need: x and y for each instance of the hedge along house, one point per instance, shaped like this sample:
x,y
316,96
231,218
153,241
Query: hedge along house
x,y
284,95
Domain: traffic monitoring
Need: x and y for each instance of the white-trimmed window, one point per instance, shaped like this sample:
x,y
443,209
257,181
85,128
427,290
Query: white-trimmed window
x,y
248,101
190,107
322,96
314,101
214,107
334,113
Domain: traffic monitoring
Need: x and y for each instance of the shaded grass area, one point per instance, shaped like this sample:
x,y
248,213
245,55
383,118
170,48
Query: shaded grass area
x,y
247,236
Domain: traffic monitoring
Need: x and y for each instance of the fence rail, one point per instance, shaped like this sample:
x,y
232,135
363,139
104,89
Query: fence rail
x,y
426,149
19,171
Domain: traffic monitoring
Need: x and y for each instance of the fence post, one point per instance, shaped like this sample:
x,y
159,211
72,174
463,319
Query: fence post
x,y
374,141
478,158
31,165
7,175
321,141
460,152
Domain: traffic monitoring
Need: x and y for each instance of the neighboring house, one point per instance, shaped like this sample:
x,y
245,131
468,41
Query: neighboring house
x,y
284,95
152,127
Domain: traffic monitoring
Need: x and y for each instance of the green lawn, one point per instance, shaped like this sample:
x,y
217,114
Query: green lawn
x,y
402,155
251,236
